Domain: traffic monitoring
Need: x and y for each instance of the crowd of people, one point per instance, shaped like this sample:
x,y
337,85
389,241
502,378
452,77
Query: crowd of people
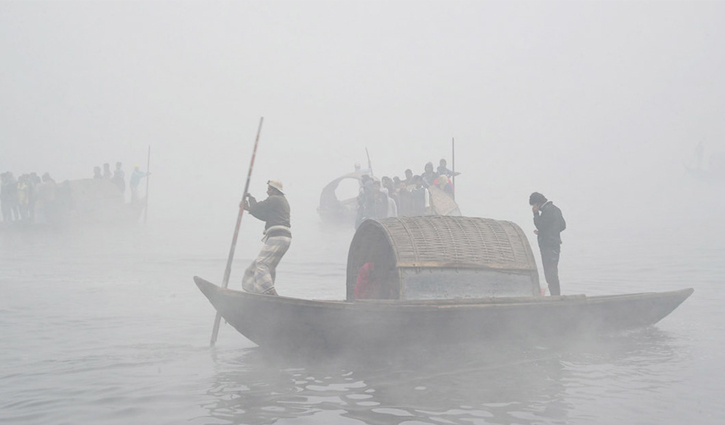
x,y
21,197
118,177
393,197
18,197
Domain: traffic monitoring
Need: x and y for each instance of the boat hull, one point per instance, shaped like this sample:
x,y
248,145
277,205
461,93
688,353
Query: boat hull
x,y
295,324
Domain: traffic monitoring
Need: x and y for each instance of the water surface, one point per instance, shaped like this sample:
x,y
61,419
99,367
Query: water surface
x,y
105,326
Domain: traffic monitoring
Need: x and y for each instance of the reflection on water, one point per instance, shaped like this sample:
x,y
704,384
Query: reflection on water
x,y
493,383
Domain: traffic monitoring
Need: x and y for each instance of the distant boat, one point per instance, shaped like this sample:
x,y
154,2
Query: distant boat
x,y
80,202
445,280
337,211
713,174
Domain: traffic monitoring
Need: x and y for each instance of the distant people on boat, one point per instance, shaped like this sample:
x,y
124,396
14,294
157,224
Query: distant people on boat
x,y
134,181
275,212
408,178
18,197
420,198
47,179
549,223
46,194
392,197
408,198
119,178
362,170
374,201
25,194
443,184
428,175
396,186
387,183
443,170
34,181
107,171
405,206
9,197
97,173
365,200
392,210
381,201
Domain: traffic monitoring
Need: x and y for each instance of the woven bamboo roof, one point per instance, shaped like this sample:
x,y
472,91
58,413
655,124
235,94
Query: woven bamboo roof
x,y
447,242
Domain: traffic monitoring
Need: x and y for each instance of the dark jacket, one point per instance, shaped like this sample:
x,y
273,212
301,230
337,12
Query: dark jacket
x,y
550,223
417,198
274,211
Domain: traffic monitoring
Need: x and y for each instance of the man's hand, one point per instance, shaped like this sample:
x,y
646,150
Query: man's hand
x,y
245,202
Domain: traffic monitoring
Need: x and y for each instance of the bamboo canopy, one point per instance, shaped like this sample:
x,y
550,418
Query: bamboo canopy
x,y
447,252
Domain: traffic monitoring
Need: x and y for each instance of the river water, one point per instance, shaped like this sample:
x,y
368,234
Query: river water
x,y
105,326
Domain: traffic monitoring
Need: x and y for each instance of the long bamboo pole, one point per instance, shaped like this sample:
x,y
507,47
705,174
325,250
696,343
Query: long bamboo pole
x,y
370,164
228,270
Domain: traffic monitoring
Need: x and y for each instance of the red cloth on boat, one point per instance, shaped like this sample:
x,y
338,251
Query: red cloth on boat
x,y
366,286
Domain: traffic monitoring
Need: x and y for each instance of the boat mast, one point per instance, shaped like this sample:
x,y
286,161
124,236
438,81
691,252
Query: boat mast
x,y
148,169
370,164
453,165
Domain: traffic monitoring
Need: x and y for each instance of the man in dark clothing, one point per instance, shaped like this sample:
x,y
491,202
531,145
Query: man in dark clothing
x,y
107,174
420,198
409,178
443,169
549,224
428,175
405,207
275,212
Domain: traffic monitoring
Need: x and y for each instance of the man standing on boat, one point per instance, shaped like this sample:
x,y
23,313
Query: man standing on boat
x,y
134,181
275,212
549,224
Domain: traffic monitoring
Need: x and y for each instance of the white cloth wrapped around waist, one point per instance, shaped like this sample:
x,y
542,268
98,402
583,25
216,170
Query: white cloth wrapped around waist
x,y
278,230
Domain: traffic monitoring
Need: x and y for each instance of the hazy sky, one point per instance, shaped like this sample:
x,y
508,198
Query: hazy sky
x,y
582,101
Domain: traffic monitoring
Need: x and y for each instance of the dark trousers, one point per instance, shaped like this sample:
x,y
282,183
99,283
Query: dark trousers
x,y
550,261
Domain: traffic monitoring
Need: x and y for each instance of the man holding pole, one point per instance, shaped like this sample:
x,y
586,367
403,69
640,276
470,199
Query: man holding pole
x,y
134,181
275,212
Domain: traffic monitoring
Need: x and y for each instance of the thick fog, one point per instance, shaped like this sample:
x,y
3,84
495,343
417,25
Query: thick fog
x,y
599,105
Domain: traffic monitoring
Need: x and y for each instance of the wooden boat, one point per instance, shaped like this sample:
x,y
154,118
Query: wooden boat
x,y
85,201
344,211
714,174
339,211
448,280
